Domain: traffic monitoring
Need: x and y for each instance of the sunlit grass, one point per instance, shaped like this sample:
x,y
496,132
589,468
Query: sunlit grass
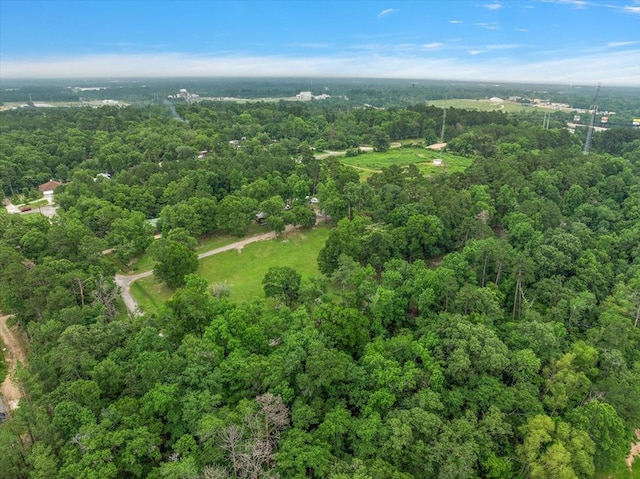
x,y
146,263
244,270
150,294
369,163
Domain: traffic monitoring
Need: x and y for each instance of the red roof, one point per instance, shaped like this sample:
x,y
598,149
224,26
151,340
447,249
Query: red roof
x,y
49,186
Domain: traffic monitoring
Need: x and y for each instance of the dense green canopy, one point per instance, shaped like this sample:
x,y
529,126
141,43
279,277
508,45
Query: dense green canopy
x,y
476,324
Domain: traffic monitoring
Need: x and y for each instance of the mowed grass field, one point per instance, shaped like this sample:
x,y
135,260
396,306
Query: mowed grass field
x,y
482,105
368,163
244,270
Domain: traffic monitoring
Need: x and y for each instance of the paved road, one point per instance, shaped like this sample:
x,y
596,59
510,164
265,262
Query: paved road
x,y
124,281
48,210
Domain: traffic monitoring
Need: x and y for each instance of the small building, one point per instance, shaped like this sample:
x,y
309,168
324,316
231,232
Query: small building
x,y
48,187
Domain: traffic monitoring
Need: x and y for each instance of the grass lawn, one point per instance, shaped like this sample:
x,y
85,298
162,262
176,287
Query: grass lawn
x,y
150,294
146,263
244,270
368,163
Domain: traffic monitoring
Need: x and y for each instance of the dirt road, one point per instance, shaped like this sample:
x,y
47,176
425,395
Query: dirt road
x,y
124,281
635,450
14,353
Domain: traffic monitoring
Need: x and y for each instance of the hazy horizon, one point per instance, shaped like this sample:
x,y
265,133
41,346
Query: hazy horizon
x,y
547,41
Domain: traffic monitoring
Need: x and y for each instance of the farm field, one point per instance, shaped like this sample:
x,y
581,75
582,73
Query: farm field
x,y
368,163
243,270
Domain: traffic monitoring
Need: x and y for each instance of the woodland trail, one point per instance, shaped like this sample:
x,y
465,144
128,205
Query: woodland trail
x,y
635,449
14,354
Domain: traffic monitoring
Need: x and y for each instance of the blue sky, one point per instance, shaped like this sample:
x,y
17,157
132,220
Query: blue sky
x,y
555,41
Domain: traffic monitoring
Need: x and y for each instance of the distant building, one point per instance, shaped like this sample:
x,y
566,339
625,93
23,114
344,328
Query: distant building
x,y
305,95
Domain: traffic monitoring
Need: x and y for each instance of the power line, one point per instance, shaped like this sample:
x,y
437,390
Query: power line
x,y
587,142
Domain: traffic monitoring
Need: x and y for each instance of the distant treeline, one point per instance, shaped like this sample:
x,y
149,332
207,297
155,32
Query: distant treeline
x,y
377,92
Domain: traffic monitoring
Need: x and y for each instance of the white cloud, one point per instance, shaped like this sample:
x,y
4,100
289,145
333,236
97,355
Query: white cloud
x,y
503,46
316,45
432,46
488,26
611,67
476,52
620,44
522,29
494,6
580,4
386,12
575,3
455,22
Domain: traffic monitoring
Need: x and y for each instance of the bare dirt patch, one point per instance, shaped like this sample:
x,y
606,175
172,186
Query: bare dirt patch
x,y
635,450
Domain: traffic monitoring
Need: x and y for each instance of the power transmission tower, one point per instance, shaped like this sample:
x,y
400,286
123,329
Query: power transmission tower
x,y
444,117
587,142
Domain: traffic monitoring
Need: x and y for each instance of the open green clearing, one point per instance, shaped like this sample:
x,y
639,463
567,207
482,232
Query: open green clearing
x,y
146,263
368,163
482,105
243,270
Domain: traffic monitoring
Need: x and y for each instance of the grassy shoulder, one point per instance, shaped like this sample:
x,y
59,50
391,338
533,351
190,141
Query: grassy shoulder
x,y
4,370
373,162
622,471
244,270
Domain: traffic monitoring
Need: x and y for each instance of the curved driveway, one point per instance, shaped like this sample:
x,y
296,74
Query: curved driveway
x,y
124,281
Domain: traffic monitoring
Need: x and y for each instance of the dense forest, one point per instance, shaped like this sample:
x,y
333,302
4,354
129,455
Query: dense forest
x,y
464,325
